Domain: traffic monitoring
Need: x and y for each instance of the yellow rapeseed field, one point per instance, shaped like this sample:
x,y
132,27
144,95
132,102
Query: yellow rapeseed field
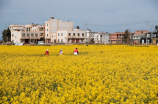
x,y
100,74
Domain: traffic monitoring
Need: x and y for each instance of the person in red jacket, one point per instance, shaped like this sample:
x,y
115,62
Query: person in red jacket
x,y
47,52
76,52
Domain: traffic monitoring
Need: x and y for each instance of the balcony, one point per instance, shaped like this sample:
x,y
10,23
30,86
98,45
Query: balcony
x,y
18,28
41,29
77,37
30,37
41,35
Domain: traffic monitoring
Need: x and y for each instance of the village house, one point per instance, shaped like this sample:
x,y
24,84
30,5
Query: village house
x,y
116,37
97,37
30,33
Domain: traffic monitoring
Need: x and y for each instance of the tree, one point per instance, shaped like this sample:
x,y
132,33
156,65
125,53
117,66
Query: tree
x,y
77,27
126,36
6,35
91,40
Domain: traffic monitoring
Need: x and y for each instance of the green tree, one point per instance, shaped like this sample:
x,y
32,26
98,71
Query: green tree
x,y
91,41
8,34
77,27
4,36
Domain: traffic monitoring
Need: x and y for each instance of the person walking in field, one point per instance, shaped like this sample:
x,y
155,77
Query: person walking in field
x,y
76,52
60,52
47,52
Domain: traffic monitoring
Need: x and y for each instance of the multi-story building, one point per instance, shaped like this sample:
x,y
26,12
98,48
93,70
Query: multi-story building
x,y
97,37
104,37
116,37
70,36
54,25
27,33
138,35
155,37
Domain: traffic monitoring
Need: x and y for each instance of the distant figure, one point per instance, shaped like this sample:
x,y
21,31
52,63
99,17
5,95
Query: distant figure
x,y
47,52
76,52
60,52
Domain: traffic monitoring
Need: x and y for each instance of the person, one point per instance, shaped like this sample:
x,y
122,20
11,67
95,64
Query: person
x,y
76,52
60,52
47,52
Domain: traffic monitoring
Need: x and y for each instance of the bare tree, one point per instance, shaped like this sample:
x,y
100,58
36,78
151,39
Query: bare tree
x,y
126,36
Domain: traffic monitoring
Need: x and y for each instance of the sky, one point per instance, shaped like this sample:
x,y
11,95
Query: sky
x,y
97,15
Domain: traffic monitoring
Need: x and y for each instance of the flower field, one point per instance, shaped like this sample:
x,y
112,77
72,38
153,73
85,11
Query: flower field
x,y
100,74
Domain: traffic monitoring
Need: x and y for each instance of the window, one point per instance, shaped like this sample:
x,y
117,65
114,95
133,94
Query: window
x,y
52,36
36,35
100,35
47,29
12,35
155,35
23,34
82,34
73,34
61,34
69,34
32,35
58,34
61,40
58,40
78,34
29,29
28,34
47,35
47,24
35,30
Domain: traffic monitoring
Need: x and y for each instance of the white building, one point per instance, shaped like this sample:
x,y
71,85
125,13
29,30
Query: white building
x,y
70,36
105,37
97,37
26,33
54,31
54,25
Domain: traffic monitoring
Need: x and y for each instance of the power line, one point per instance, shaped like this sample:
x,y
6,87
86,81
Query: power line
x,y
115,25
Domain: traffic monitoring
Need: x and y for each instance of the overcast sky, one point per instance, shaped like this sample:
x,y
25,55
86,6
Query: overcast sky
x,y
98,15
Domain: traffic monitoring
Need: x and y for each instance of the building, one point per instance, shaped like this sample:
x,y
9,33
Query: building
x,y
74,36
104,37
155,37
54,25
96,37
140,36
138,32
30,33
116,37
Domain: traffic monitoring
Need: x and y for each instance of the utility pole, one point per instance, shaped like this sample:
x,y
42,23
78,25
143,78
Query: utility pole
x,y
147,33
152,34
85,34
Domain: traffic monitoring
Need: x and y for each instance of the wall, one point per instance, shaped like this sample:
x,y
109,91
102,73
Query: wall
x,y
16,37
